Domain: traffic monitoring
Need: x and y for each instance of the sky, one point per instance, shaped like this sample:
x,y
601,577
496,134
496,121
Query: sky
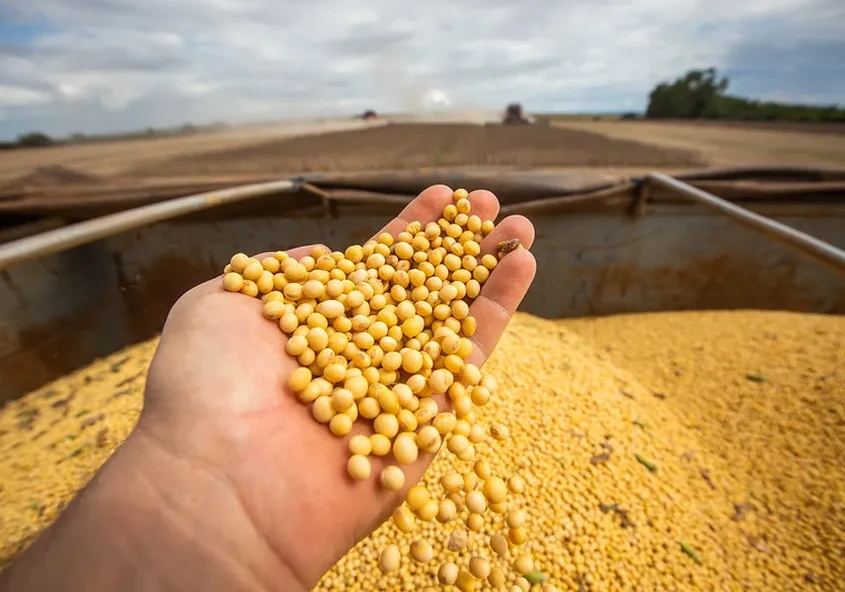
x,y
98,66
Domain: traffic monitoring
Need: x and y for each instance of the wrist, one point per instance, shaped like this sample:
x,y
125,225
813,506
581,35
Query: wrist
x,y
151,520
197,517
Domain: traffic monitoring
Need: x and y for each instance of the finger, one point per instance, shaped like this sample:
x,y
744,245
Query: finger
x,y
215,285
518,227
499,299
428,207
296,253
424,208
484,204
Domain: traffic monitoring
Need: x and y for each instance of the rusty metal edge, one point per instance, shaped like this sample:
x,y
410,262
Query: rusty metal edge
x,y
805,173
818,249
512,185
331,192
60,239
622,193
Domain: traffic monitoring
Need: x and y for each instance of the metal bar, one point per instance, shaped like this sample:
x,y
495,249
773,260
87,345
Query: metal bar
x,y
814,247
568,202
95,229
803,173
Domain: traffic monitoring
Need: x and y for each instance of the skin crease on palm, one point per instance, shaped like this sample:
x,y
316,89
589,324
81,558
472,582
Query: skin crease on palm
x,y
217,398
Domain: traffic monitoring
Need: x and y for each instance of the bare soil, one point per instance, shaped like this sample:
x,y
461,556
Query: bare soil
x,y
236,155
791,126
112,158
763,126
403,146
727,144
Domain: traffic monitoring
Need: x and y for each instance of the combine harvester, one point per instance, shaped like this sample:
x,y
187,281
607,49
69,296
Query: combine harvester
x,y
515,116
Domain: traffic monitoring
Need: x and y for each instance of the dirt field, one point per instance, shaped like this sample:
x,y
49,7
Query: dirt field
x,y
113,157
731,144
788,126
249,153
403,146
828,128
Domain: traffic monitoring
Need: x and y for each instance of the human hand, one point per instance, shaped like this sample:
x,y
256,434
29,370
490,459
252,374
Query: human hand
x,y
217,400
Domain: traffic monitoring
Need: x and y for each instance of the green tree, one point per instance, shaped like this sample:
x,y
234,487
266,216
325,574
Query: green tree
x,y
701,94
694,95
34,140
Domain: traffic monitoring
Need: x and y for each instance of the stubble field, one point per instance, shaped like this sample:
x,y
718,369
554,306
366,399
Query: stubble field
x,y
241,154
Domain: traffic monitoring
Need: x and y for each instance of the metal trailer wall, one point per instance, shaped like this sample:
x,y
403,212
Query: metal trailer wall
x,y
65,310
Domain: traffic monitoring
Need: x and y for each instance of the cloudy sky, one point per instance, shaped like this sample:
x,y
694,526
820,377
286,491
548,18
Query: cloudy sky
x,y
107,65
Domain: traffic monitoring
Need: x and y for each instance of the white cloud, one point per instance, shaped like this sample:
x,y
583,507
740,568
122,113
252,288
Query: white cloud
x,y
16,96
123,64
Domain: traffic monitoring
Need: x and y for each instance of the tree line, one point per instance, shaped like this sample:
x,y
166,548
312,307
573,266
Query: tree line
x,y
30,140
702,94
41,140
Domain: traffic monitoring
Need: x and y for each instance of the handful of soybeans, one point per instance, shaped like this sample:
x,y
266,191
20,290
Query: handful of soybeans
x,y
383,333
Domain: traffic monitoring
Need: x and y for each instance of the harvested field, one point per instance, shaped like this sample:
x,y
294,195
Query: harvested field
x,y
403,146
791,126
727,144
340,145
828,128
111,158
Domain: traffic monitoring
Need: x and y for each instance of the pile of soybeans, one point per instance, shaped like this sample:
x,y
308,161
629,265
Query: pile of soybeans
x,y
665,451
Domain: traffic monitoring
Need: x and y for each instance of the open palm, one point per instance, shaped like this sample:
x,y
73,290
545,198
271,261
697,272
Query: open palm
x,y
217,396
